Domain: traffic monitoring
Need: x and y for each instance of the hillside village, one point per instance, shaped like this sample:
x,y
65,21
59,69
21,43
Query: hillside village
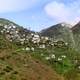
x,y
31,41
54,52
12,33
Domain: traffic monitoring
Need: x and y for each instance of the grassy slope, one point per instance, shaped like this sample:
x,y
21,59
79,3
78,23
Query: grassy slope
x,y
66,67
21,66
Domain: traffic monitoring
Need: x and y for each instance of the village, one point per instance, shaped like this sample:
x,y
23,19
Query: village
x,y
12,33
31,41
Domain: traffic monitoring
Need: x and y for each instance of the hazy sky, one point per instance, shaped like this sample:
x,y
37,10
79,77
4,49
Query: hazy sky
x,y
39,14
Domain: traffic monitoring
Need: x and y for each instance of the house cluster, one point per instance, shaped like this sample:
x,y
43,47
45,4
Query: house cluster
x,y
30,41
10,32
13,34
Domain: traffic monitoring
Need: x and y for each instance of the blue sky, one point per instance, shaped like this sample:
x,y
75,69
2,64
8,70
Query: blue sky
x,y
40,14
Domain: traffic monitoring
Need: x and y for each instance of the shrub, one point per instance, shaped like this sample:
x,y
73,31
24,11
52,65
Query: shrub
x,y
8,69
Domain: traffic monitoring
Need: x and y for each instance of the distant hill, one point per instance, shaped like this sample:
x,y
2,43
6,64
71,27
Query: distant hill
x,y
76,28
76,33
60,31
4,22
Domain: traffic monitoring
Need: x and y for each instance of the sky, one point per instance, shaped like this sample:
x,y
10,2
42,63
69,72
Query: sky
x,y
40,14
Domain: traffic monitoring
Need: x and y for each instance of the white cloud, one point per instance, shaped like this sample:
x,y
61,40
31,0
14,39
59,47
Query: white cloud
x,y
15,5
62,12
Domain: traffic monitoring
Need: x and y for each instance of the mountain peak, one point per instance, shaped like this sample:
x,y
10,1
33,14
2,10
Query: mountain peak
x,y
3,19
76,27
64,24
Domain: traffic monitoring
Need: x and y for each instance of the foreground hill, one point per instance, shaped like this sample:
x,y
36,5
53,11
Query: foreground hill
x,y
21,66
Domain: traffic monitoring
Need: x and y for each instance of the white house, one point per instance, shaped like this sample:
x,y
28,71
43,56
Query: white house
x,y
5,26
53,56
42,46
59,59
27,49
14,26
63,56
32,48
47,58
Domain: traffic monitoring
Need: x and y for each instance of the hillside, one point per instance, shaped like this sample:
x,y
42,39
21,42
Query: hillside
x,y
21,66
28,55
16,64
60,32
76,33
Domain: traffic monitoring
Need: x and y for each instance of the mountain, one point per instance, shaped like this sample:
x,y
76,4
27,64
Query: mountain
x,y
60,31
8,23
76,32
12,31
76,28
